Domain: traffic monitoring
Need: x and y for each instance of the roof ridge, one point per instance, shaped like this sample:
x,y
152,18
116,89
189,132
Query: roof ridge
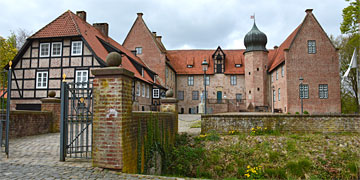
x,y
76,25
47,25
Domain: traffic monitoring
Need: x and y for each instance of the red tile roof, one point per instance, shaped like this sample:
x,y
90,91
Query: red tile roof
x,y
181,58
279,56
69,24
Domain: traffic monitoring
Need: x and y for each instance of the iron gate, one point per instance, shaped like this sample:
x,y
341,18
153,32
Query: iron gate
x,y
5,88
76,120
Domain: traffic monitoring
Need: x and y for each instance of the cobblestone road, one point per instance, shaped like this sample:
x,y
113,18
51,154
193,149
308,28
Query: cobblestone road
x,y
37,157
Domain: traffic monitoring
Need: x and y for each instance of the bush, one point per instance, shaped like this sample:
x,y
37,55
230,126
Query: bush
x,y
305,112
297,113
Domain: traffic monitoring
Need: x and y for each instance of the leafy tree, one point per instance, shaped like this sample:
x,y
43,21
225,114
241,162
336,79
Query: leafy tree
x,y
21,36
7,50
351,18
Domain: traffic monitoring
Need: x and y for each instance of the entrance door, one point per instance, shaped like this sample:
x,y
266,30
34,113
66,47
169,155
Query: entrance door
x,y
219,96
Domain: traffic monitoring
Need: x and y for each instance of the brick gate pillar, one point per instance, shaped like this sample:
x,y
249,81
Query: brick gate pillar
x,y
53,105
170,104
112,87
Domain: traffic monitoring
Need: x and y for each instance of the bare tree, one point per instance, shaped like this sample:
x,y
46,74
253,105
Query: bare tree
x,y
21,36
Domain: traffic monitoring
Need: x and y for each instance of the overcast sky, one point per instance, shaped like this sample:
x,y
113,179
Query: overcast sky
x,y
183,24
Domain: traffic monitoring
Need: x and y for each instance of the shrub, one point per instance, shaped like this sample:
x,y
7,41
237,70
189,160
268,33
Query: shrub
x,y
305,112
297,113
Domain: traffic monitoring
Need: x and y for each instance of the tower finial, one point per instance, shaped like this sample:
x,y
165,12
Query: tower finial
x,y
253,17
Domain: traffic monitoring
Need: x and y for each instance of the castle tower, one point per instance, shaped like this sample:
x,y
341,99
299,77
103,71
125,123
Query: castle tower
x,y
256,58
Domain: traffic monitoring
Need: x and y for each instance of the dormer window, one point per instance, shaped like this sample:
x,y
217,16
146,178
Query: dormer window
x,y
138,50
219,61
237,65
189,66
142,72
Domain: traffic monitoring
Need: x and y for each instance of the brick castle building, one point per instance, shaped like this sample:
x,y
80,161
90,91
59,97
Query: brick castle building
x,y
251,79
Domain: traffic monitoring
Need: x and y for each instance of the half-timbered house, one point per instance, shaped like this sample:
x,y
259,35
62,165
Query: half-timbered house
x,y
69,46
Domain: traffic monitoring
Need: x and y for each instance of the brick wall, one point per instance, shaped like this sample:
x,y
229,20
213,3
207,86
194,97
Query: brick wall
x,y
28,123
283,123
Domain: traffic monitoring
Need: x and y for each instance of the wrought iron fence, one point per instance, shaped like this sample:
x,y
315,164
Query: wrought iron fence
x,y
5,97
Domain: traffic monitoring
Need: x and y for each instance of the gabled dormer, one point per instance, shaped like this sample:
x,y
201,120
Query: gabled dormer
x,y
219,60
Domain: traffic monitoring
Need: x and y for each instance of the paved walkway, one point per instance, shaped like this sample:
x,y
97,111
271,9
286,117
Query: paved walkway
x,y
37,157
186,120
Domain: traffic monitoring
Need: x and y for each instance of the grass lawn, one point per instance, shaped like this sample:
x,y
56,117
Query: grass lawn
x,y
264,154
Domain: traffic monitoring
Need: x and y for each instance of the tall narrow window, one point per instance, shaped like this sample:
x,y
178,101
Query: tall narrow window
x,y
277,74
76,48
44,49
274,95
190,80
147,92
207,80
272,77
304,91
138,50
282,71
41,79
56,49
323,91
311,46
181,95
279,94
143,90
233,80
195,95
81,78
138,89
156,93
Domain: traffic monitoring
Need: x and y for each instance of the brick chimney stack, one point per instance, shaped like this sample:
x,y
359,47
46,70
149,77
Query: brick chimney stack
x,y
140,14
81,14
103,28
308,11
158,38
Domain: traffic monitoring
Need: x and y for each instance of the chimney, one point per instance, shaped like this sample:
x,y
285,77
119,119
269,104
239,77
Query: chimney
x,y
81,14
275,47
103,28
154,34
308,11
134,52
158,38
140,14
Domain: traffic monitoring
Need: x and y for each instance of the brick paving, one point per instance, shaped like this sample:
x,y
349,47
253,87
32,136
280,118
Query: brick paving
x,y
37,157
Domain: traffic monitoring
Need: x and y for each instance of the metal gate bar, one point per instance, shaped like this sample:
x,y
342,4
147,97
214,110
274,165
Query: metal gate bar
x,y
5,113
76,120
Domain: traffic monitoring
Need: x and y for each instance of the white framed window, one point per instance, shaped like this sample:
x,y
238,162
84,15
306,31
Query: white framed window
x,y
323,91
138,89
190,80
282,71
304,91
233,80
44,49
156,93
279,94
81,77
147,92
76,48
138,50
277,74
189,66
311,46
56,48
207,80
143,90
41,79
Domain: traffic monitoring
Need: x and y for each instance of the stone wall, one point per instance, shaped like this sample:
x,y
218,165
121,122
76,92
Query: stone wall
x,y
28,123
283,123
